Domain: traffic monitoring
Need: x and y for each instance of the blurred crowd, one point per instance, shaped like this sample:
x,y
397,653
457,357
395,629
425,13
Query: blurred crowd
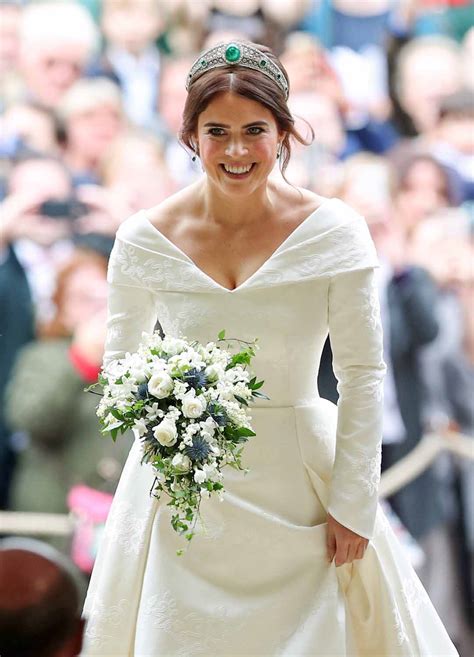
x,y
91,95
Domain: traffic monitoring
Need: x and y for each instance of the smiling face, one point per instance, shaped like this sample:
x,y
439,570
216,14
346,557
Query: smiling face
x,y
237,140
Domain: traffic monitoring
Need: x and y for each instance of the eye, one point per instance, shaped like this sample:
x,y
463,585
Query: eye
x,y
216,132
255,130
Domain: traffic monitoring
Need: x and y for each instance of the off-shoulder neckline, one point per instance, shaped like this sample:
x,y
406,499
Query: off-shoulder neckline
x,y
294,233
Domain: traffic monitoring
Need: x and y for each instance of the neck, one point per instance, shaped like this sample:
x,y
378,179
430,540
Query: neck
x,y
228,210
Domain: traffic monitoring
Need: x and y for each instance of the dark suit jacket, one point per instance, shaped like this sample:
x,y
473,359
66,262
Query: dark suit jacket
x,y
16,329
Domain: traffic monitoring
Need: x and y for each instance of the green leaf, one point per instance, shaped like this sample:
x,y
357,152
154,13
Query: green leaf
x,y
241,400
261,395
243,431
221,334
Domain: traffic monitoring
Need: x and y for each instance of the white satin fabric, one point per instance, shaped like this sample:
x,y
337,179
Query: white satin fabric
x,y
256,582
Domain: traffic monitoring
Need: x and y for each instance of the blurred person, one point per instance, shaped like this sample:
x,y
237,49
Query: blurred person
x,y
186,22
37,241
26,124
31,248
40,597
309,69
444,244
57,39
131,57
172,98
93,118
131,169
45,399
452,141
359,33
421,187
318,166
261,21
426,70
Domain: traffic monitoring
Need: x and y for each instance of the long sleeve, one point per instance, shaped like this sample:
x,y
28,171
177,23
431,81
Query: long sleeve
x,y
356,338
131,308
131,311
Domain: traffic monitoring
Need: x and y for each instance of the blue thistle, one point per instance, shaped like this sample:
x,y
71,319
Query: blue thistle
x,y
196,378
199,450
218,414
142,392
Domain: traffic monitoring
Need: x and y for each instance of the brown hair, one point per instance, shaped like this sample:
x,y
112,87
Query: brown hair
x,y
56,328
250,84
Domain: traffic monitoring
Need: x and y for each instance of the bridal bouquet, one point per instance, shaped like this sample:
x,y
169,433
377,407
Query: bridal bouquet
x,y
187,403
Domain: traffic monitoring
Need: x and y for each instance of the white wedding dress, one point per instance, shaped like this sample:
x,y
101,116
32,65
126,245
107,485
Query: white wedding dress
x,y
256,581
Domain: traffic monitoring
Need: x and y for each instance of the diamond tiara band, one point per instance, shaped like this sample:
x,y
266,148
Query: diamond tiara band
x,y
241,54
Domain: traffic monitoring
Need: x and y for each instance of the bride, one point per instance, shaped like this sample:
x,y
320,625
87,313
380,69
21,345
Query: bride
x,y
298,560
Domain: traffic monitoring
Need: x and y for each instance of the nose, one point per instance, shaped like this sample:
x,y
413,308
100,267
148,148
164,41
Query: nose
x,y
236,148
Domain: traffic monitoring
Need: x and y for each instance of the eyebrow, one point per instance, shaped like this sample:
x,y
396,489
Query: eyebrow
x,y
224,125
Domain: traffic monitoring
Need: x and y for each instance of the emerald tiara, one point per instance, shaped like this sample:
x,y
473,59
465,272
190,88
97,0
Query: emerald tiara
x,y
239,54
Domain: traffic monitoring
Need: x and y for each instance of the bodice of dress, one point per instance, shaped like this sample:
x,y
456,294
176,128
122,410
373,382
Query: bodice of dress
x,y
320,280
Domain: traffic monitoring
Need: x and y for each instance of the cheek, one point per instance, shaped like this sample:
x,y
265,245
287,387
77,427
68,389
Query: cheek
x,y
209,150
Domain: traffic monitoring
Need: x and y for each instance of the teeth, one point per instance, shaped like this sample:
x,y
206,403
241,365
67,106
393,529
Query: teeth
x,y
231,169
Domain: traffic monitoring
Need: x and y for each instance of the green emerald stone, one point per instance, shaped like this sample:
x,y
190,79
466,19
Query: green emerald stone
x,y
262,63
203,63
232,53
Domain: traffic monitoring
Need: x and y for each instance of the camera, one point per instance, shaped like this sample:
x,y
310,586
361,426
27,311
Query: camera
x,y
68,208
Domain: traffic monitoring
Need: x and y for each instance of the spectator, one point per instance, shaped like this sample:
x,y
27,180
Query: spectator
x,y
57,39
28,125
452,141
39,602
93,118
443,244
170,108
45,396
135,172
317,166
422,187
131,57
427,70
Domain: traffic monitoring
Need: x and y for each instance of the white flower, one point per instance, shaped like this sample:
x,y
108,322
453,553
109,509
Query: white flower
x,y
214,372
181,462
193,406
139,428
200,476
160,385
166,433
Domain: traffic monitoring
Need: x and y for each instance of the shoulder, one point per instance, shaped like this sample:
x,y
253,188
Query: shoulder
x,y
168,213
136,228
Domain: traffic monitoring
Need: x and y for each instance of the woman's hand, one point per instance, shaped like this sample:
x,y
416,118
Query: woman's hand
x,y
343,544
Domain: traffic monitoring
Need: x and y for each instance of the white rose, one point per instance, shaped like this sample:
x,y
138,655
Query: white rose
x,y
181,462
200,476
160,385
166,433
193,407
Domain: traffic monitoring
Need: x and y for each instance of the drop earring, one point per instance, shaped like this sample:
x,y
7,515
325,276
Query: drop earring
x,y
278,150
196,153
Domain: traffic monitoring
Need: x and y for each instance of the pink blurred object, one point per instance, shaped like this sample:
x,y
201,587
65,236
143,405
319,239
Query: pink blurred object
x,y
90,508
